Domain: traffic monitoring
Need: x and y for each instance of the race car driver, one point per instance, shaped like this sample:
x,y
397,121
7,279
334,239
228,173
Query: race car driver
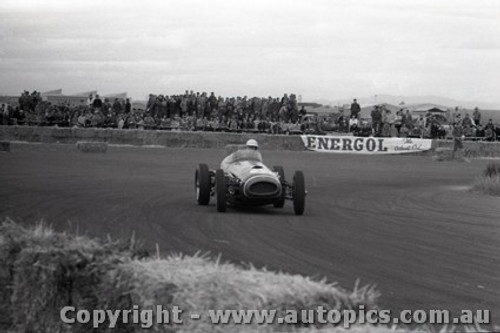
x,y
252,144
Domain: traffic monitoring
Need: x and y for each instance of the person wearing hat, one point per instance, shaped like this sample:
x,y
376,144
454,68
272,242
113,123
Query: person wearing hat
x,y
252,144
248,152
376,115
476,116
355,109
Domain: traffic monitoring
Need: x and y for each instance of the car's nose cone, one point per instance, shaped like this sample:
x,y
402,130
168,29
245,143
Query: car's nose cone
x,y
262,186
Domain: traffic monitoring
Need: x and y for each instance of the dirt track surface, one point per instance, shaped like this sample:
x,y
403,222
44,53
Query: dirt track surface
x,y
404,223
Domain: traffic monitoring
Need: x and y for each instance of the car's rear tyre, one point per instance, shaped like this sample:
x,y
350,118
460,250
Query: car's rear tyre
x,y
220,190
202,184
280,202
299,193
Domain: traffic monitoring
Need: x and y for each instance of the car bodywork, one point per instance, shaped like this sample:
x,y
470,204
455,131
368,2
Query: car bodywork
x,y
243,179
250,181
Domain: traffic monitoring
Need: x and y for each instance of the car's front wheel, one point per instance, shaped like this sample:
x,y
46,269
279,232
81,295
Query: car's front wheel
x,y
220,187
202,184
299,193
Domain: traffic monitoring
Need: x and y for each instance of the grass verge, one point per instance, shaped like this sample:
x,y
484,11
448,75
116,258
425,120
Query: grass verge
x,y
489,182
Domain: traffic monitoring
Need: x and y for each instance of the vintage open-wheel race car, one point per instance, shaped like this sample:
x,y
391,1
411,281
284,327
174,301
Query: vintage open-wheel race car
x,y
243,179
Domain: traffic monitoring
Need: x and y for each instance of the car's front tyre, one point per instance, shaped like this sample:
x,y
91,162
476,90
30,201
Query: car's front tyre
x,y
202,184
299,193
220,190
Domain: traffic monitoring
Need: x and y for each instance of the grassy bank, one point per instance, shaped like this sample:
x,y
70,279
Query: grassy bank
x,y
489,182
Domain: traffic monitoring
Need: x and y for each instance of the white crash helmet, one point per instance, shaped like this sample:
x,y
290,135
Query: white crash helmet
x,y
252,144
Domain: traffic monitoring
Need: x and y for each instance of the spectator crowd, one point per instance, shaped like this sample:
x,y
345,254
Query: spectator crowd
x,y
386,123
202,112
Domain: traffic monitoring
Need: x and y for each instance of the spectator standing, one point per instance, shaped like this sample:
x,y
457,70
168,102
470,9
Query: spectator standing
x,y
128,106
201,104
421,126
376,115
177,106
117,106
184,100
407,120
293,109
97,103
212,103
5,115
398,121
390,118
107,107
476,116
163,107
355,109
192,105
302,112
151,101
434,127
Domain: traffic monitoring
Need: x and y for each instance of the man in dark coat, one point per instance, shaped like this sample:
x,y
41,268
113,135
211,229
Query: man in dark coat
x,y
376,115
355,109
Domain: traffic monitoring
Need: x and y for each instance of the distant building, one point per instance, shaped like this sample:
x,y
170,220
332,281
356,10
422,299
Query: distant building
x,y
85,98
428,107
56,97
111,97
418,110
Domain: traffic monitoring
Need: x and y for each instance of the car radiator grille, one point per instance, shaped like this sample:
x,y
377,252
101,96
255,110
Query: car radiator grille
x,y
263,189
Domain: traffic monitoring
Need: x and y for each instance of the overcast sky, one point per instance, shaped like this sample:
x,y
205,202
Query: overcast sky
x,y
320,49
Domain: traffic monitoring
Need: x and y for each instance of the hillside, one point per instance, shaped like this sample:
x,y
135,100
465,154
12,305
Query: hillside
x,y
396,100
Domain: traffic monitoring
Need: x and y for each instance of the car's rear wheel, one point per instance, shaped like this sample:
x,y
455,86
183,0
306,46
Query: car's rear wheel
x,y
220,187
299,193
202,184
280,202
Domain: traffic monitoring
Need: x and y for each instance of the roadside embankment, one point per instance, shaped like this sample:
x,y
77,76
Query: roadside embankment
x,y
42,272
142,137
472,149
177,139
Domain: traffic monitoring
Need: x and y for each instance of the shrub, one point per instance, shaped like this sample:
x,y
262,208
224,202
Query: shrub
x,y
489,182
492,169
487,185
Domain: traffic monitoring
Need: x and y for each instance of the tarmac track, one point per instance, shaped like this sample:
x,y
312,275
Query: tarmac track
x,y
404,223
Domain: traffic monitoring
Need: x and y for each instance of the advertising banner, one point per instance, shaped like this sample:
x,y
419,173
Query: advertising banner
x,y
364,145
